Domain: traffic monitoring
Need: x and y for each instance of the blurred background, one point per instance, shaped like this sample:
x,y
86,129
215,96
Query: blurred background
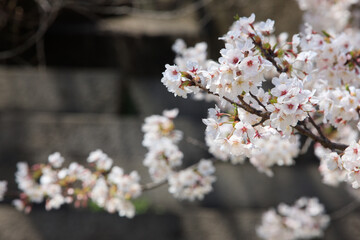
x,y
81,75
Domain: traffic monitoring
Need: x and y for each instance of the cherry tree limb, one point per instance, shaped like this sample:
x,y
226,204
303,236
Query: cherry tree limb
x,y
265,115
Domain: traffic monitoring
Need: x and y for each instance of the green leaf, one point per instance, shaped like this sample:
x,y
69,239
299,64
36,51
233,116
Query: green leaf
x,y
347,87
93,207
185,84
273,100
280,53
326,34
236,112
141,205
273,49
266,46
184,74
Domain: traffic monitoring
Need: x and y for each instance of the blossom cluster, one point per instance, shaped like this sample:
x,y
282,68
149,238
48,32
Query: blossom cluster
x,y
292,102
269,89
325,14
349,163
304,220
239,69
330,175
106,185
193,183
336,168
161,138
330,163
238,78
333,72
232,136
184,54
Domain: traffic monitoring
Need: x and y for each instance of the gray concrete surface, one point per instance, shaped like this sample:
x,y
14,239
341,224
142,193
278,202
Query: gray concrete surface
x,y
59,90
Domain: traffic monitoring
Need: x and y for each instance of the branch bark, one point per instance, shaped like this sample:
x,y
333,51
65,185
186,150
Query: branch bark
x,y
265,115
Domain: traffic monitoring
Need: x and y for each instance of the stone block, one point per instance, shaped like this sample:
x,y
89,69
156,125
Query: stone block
x,y
59,90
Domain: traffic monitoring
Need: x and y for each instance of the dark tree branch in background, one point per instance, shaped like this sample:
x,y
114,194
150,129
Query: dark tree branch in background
x,y
49,13
49,10
134,11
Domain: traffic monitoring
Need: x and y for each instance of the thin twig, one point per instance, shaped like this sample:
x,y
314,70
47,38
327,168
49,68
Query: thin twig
x,y
345,210
302,123
269,55
196,143
260,122
305,146
248,107
316,127
212,93
258,101
152,185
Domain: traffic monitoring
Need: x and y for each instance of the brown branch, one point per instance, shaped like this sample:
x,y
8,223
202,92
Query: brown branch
x,y
325,142
318,129
269,55
152,185
258,101
250,109
196,83
259,123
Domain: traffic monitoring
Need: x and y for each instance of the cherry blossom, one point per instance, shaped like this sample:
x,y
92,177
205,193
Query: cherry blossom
x,y
108,187
192,183
3,189
304,220
56,160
